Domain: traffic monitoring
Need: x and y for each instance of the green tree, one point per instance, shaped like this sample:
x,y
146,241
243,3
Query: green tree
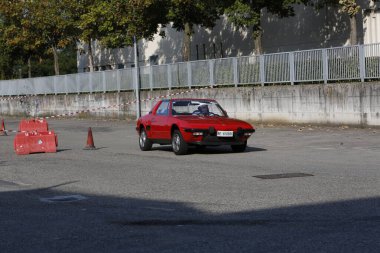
x,y
115,23
126,19
184,14
18,31
121,20
89,15
36,27
53,22
7,60
247,14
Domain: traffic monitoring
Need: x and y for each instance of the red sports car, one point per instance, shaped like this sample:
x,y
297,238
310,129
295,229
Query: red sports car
x,y
191,122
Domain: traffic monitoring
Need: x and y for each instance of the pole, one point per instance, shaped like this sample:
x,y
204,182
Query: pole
x,y
137,79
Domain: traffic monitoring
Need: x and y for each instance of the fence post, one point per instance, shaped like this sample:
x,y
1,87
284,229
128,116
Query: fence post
x,y
90,81
211,64
325,62
292,69
66,84
55,84
151,77
19,90
189,77
362,63
236,71
77,83
262,70
118,80
104,82
169,71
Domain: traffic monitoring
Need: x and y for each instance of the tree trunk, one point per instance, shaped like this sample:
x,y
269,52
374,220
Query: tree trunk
x,y
30,67
257,37
354,31
186,52
90,56
56,62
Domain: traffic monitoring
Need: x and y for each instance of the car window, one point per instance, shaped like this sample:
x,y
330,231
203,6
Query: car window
x,y
197,107
163,108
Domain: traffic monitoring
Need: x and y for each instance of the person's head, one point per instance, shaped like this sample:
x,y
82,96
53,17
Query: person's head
x,y
203,109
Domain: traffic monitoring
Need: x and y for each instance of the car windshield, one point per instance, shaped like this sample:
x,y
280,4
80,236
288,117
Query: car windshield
x,y
197,107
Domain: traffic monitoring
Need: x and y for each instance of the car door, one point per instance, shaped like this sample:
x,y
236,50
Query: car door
x,y
159,122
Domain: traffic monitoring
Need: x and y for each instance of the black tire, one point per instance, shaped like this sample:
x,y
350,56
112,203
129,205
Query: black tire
x,y
144,143
179,145
239,148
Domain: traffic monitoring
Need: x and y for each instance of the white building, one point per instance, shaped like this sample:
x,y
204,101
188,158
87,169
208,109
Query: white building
x,y
308,29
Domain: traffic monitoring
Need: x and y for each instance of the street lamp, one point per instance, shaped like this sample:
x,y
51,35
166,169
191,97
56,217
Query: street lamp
x,y
137,79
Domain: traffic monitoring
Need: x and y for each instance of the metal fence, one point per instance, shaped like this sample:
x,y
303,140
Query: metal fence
x,y
360,62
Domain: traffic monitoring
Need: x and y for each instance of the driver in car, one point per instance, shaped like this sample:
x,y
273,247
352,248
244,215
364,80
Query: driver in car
x,y
203,109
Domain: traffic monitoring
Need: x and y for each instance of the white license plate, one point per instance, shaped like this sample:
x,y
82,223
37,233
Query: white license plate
x,y
225,133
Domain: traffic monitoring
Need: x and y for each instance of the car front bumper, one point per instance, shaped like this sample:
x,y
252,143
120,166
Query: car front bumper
x,y
209,138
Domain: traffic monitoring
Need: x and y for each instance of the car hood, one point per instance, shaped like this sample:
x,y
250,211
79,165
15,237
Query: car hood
x,y
207,121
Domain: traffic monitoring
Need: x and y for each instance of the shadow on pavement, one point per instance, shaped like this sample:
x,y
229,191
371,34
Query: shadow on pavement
x,y
97,223
208,150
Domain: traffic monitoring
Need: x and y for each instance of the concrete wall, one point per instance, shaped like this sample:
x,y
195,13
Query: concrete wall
x,y
353,103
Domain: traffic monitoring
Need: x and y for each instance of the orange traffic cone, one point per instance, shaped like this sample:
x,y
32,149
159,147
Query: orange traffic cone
x,y
3,132
90,141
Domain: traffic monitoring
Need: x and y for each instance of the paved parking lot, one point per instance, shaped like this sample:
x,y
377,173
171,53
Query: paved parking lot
x,y
207,201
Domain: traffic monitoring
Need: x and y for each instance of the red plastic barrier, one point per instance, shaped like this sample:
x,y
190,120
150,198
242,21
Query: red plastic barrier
x,y
39,125
35,142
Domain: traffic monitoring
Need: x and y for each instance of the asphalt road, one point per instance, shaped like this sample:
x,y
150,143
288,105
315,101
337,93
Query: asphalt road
x,y
207,201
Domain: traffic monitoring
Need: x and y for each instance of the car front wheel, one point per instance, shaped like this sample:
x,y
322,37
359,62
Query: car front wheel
x,y
178,143
145,143
239,148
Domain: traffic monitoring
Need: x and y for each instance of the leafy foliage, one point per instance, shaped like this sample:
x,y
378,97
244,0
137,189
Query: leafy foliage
x,y
36,29
42,66
194,12
8,59
349,7
18,29
125,19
